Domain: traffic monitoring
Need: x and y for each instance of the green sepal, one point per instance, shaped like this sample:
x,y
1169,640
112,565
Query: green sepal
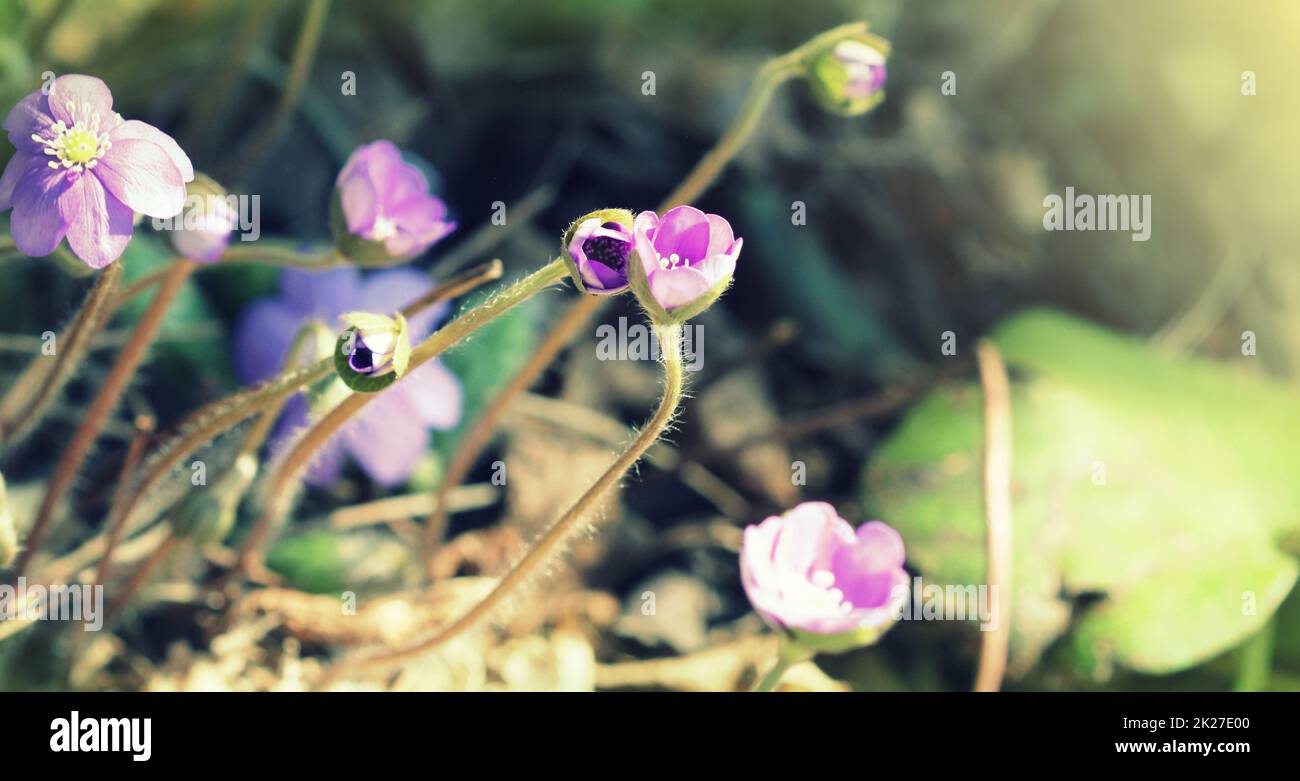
x,y
398,363
359,250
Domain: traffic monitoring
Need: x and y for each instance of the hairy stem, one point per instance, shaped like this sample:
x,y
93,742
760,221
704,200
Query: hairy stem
x,y
291,467
774,73
41,383
103,405
997,513
670,341
480,433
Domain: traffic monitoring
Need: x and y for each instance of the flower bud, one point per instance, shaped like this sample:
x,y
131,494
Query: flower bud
x,y
828,588
596,248
685,260
8,533
382,211
207,514
204,226
373,352
849,77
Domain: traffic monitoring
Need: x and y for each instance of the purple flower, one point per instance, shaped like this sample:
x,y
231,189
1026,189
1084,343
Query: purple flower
x,y
600,249
688,258
386,202
808,572
80,171
392,433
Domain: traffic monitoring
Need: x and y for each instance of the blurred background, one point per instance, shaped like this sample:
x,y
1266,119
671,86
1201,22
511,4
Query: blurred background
x,y
823,376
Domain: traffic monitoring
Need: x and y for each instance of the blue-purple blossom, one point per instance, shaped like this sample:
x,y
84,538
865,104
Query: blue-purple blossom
x,y
81,172
390,435
386,200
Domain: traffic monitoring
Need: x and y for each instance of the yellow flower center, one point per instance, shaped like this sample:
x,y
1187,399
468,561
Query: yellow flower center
x,y
78,147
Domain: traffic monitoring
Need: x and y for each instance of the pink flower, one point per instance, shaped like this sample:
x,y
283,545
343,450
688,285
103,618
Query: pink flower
x,y
386,202
80,171
688,258
808,573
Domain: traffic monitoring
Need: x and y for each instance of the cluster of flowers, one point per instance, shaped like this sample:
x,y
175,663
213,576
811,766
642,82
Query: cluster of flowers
x,y
82,172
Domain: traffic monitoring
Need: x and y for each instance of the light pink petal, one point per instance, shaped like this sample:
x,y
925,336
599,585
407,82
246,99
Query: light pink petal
x,y
38,223
720,236
134,129
359,202
142,175
388,291
73,97
717,268
677,286
30,116
100,225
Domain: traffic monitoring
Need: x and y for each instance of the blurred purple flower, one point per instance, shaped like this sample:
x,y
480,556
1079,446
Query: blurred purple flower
x,y
80,171
392,433
600,251
687,255
387,200
808,571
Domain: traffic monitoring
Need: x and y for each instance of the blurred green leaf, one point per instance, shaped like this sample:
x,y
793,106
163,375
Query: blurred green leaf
x,y
1164,487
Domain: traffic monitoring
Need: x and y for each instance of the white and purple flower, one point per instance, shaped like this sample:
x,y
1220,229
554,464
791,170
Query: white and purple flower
x,y
81,172
808,573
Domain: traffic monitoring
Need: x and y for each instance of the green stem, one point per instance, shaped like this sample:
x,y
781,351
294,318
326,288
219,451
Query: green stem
x,y
773,74
291,467
1254,666
788,656
674,381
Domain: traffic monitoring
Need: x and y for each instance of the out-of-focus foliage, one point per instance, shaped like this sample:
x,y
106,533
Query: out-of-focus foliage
x,y
1164,487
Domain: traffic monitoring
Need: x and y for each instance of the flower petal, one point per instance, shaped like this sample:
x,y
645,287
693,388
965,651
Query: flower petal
x,y
684,230
15,170
323,294
75,96
385,441
142,175
30,116
100,225
262,339
38,224
388,291
720,236
433,394
134,129
674,287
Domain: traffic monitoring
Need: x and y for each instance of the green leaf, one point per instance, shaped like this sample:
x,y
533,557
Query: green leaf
x,y
1163,488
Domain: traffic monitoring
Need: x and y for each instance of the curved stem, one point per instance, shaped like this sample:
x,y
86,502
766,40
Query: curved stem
x,y
40,384
480,433
102,406
291,467
141,575
774,73
670,341
144,426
